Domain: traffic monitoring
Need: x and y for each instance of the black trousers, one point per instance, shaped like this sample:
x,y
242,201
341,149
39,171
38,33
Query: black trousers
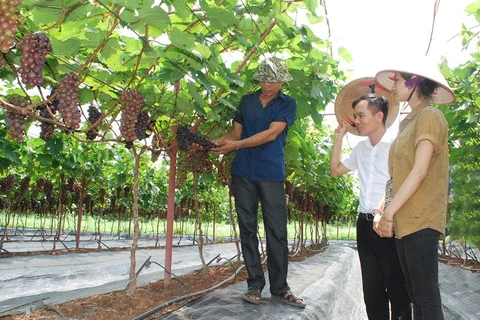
x,y
418,256
271,194
383,284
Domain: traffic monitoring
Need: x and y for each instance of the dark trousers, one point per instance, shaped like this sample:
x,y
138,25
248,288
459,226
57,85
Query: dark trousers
x,y
418,255
271,194
382,277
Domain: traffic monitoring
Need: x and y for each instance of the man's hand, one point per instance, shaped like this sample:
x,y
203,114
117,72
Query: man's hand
x,y
225,146
340,131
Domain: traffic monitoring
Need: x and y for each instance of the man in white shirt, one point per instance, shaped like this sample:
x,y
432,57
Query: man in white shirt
x,y
369,158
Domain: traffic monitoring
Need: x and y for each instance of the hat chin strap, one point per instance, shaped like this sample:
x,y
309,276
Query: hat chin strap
x,y
411,94
414,82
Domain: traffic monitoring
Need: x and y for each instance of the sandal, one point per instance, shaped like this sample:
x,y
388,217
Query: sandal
x,y
292,300
253,295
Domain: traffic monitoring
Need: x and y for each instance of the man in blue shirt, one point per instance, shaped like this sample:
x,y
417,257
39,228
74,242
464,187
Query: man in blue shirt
x,y
258,172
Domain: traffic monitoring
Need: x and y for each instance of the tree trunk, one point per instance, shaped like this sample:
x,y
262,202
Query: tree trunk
x,y
232,222
80,212
199,223
132,281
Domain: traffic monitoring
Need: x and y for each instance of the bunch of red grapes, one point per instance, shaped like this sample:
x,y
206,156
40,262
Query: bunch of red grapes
x,y
94,114
35,47
131,102
16,121
8,24
47,130
67,96
185,138
142,125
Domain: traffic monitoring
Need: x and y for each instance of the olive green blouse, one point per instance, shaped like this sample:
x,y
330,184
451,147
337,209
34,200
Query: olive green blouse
x,y
427,207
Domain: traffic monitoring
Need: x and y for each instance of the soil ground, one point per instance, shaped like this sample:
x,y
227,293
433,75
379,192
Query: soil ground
x,y
120,306
117,305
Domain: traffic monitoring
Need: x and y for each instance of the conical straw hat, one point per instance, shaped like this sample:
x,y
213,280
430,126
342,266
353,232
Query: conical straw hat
x,y
425,69
354,90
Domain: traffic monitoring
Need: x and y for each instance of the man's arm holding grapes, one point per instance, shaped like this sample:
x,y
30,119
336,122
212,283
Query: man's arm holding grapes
x,y
232,140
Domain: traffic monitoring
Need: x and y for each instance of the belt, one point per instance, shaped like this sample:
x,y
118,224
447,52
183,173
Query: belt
x,y
367,216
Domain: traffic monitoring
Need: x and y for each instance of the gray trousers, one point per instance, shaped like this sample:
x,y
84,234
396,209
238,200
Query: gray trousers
x,y
271,195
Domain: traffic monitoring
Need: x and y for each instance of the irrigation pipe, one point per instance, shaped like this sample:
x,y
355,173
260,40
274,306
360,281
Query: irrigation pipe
x,y
191,295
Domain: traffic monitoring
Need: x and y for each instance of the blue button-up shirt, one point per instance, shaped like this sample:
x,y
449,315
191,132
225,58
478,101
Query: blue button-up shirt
x,y
265,162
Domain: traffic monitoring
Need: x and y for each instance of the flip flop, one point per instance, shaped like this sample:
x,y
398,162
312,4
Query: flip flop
x,y
291,299
253,295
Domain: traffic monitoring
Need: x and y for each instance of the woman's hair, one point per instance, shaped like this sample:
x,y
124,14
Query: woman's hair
x,y
425,89
375,104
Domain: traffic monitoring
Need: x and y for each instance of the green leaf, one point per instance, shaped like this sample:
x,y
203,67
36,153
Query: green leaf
x,y
316,116
54,146
156,17
4,164
311,5
47,12
345,54
130,4
473,118
220,18
65,48
182,40
204,51
181,8
193,90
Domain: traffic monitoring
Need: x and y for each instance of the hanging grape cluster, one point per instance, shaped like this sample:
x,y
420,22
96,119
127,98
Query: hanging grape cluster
x,y
35,47
223,168
131,102
67,96
142,125
6,184
8,24
94,114
192,161
47,129
155,149
24,185
185,138
16,122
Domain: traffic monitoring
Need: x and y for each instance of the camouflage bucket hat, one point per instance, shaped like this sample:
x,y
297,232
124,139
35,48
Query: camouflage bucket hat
x,y
272,70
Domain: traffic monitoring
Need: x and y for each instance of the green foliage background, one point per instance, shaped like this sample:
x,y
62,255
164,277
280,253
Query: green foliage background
x,y
192,60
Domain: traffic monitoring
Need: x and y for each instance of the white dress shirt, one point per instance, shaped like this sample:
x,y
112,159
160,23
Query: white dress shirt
x,y
371,163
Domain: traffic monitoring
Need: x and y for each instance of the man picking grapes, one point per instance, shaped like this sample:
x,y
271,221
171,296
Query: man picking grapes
x,y
258,173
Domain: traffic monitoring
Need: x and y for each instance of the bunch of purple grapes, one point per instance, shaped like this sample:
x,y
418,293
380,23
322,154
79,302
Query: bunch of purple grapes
x,y
131,102
6,184
16,121
8,24
67,96
94,114
142,125
185,138
35,47
47,129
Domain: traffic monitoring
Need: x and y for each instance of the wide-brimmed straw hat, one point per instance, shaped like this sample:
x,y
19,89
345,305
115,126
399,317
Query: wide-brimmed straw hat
x,y
356,89
272,70
425,69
